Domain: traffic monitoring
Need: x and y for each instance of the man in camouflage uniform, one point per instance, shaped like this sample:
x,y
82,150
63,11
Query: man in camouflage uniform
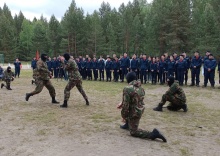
x,y
35,76
133,107
74,79
175,95
8,76
43,79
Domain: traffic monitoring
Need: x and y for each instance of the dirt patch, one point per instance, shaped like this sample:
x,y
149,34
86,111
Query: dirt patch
x,y
38,127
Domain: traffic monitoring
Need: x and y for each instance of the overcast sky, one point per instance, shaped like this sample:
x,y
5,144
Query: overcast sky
x,y
34,8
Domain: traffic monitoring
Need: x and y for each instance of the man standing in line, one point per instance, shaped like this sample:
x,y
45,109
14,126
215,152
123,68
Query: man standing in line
x,y
17,64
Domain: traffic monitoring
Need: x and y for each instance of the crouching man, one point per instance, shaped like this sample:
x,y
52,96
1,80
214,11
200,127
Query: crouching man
x,y
133,107
175,95
8,76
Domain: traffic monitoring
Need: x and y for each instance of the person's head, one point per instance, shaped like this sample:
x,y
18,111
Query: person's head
x,y
171,58
125,54
84,58
66,56
144,56
149,58
170,80
154,60
181,57
54,58
116,59
184,54
49,59
166,55
34,58
134,56
157,59
174,54
101,58
108,58
207,53
94,58
141,56
211,56
43,57
87,56
89,59
131,76
9,69
196,53
162,57
114,56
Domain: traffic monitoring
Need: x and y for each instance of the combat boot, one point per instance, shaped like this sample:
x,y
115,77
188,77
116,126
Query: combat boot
x,y
158,108
184,107
204,86
32,82
2,85
212,86
28,96
87,102
156,134
54,101
125,126
8,87
64,105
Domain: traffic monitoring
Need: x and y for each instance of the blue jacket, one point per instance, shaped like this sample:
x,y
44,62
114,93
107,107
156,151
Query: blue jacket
x,y
144,65
186,59
54,64
1,71
134,64
125,62
34,64
210,63
181,64
162,65
49,64
17,65
196,62
171,65
115,65
108,65
154,67
89,65
101,64
95,64
83,64
79,64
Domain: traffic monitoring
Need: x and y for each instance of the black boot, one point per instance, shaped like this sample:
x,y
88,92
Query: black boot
x,y
159,108
64,105
2,85
54,100
156,134
87,102
125,126
192,84
8,87
27,96
184,107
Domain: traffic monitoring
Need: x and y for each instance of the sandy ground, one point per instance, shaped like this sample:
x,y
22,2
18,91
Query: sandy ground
x,y
38,127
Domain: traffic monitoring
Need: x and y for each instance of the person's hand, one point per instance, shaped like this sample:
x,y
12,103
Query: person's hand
x,y
194,66
119,105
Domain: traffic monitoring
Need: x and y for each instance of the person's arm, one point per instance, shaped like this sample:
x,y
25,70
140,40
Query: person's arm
x,y
125,104
41,67
172,90
214,65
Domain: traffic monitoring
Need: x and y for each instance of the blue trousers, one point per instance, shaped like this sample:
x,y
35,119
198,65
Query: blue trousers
x,y
116,74
209,76
124,72
195,74
143,75
180,73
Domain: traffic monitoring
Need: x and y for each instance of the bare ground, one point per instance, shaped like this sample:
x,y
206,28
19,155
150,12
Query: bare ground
x,y
38,127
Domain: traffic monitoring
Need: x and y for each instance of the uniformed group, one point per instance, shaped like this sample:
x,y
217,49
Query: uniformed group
x,y
136,71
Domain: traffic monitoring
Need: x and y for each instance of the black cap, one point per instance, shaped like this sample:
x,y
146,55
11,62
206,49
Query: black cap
x,y
131,76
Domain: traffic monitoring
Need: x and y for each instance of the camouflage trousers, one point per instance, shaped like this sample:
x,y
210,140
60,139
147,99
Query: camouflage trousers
x,y
70,85
8,82
172,99
40,85
134,131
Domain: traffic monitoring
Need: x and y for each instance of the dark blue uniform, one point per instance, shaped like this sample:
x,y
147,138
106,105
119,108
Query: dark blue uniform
x,y
134,66
108,68
17,68
55,67
176,73
197,62
49,65
101,67
79,66
89,69
144,65
188,63
154,70
181,68
95,69
83,65
209,75
203,61
149,74
34,64
219,70
116,67
162,70
125,64
170,68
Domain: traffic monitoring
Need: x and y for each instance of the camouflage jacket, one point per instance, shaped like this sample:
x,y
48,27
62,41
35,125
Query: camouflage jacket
x,y
35,74
44,73
132,102
177,91
7,75
71,67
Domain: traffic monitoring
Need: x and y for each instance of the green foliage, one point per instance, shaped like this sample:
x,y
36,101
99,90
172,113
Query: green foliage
x,y
138,27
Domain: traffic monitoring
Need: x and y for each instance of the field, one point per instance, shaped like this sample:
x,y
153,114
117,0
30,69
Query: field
x,y
38,127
